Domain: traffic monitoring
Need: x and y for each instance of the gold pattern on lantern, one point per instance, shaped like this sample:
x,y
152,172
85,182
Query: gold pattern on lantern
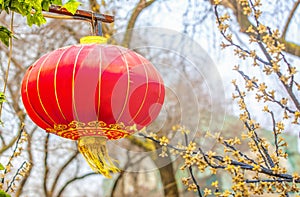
x,y
76,129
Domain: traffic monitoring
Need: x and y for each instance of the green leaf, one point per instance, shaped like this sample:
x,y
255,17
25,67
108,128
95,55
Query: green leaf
x,y
4,194
46,5
37,19
1,167
5,35
56,2
2,97
4,5
72,6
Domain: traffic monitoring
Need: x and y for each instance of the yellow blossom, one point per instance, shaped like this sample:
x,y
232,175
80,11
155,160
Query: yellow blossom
x,y
210,154
225,17
297,114
284,101
292,70
250,29
230,168
266,109
275,67
226,193
285,115
185,180
217,2
276,34
272,93
214,184
227,159
207,192
163,141
192,187
280,126
244,136
267,70
261,28
256,168
247,10
262,87
257,13
213,170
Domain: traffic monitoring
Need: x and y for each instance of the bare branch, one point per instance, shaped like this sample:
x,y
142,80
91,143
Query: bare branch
x,y
73,180
137,11
46,170
191,169
289,19
61,170
29,151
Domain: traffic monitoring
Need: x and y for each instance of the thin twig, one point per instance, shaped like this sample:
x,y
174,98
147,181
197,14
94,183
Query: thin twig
x,y
242,165
251,128
73,180
62,169
127,165
240,153
275,133
191,169
272,181
232,43
15,176
9,58
13,154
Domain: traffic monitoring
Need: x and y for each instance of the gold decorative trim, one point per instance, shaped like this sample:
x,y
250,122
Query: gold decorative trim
x,y
76,129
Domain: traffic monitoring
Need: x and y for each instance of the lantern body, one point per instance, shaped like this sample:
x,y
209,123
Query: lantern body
x,y
92,90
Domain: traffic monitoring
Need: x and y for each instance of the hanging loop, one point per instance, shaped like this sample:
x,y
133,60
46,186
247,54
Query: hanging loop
x,y
96,26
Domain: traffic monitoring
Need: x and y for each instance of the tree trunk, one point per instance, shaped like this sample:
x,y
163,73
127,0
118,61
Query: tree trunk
x,y
166,171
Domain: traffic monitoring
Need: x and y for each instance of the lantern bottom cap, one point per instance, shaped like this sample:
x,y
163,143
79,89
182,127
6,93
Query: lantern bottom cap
x,y
93,149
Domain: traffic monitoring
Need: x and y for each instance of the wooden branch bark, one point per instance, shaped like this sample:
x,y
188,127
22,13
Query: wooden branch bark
x,y
82,13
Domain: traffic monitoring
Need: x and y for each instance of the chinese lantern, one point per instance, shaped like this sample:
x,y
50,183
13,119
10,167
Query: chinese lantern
x,y
93,93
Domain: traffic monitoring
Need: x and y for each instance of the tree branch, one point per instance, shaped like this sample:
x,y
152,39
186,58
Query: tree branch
x,y
46,165
73,180
24,180
244,23
137,11
289,19
61,170
122,173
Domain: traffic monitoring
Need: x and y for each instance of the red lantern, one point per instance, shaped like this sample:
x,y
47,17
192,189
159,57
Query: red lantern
x,y
90,93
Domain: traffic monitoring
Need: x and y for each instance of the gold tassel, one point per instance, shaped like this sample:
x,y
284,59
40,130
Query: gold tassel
x,y
95,153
